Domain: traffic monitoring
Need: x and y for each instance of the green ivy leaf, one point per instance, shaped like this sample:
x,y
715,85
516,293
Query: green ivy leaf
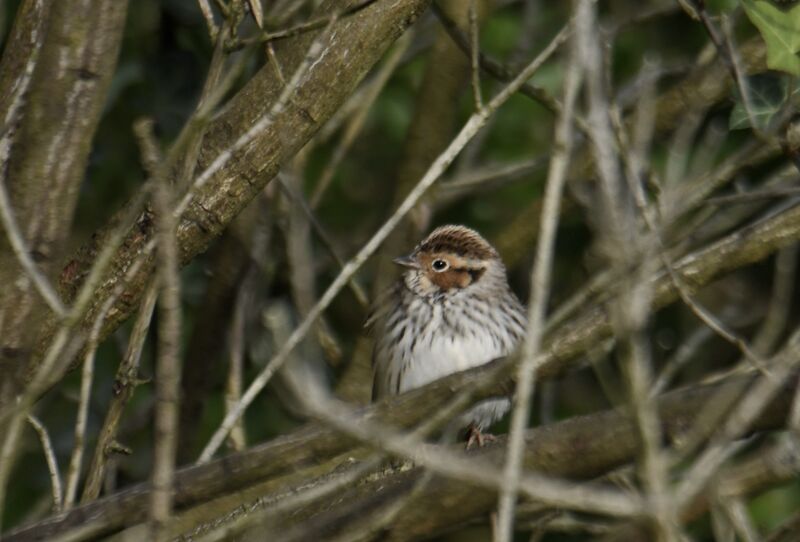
x,y
768,92
780,29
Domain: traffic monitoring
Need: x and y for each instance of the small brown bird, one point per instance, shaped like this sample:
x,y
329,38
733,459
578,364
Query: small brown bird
x,y
451,310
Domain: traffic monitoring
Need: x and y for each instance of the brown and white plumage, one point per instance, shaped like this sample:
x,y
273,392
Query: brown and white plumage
x,y
451,310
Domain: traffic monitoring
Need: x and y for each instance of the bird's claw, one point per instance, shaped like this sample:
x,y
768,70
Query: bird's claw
x,y
475,436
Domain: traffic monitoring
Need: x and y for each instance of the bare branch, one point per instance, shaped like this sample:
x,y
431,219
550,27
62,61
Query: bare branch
x,y
208,15
319,229
168,363
233,384
7,452
52,462
774,324
540,291
474,52
308,26
76,459
127,378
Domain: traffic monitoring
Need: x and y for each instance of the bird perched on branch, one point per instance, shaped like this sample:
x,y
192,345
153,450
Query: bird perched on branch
x,y
451,310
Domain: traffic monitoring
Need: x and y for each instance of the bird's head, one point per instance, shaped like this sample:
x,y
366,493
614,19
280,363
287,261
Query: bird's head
x,y
452,259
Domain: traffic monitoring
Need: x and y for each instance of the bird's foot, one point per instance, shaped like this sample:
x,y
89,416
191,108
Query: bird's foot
x,y
475,436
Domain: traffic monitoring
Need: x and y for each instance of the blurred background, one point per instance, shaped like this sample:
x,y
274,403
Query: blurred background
x,y
244,295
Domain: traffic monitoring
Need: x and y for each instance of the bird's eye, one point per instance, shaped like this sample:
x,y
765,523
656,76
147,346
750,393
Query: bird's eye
x,y
439,265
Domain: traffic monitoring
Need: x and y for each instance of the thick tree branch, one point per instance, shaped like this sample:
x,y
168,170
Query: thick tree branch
x,y
356,44
77,52
580,448
308,446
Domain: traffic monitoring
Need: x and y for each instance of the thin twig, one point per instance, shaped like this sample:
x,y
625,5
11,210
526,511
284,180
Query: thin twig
x,y
283,10
87,375
126,380
359,117
208,15
301,260
233,384
528,32
13,429
499,71
257,9
302,28
780,304
223,8
52,462
725,50
473,125
491,66
748,197
540,291
169,334
474,42
488,177
736,511
692,193
167,363
683,355
276,65
214,86
322,233
714,323
682,143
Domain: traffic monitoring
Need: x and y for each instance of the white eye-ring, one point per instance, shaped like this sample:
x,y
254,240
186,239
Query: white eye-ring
x,y
439,265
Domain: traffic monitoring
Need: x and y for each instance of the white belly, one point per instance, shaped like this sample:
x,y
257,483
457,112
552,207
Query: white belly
x,y
444,356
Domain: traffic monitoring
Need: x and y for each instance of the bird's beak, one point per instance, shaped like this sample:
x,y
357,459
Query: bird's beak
x,y
406,261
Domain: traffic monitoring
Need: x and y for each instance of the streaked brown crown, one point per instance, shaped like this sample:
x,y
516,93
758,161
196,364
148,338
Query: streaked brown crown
x,y
459,240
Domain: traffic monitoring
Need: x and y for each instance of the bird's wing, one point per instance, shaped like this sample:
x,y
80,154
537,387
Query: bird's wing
x,y
381,309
